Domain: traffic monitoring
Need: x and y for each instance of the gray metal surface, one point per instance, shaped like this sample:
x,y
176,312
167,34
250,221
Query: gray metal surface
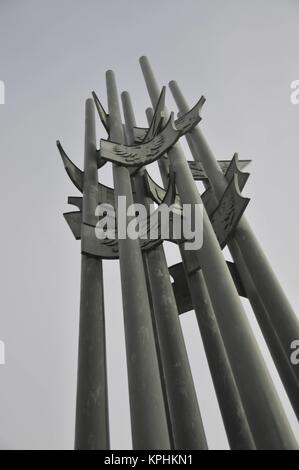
x,y
276,317
224,216
92,428
181,289
163,405
234,418
104,117
186,428
184,123
107,248
266,418
148,417
199,174
144,153
105,194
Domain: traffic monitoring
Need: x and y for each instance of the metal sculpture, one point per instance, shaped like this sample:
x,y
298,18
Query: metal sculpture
x,y
163,404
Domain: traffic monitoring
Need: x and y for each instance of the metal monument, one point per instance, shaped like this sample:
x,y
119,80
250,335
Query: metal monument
x,y
163,405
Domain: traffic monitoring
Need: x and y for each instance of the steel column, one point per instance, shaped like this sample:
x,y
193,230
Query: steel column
x,y
92,428
277,320
148,418
265,415
230,404
185,419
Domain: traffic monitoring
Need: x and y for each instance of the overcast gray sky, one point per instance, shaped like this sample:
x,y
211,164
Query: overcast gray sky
x,y
242,55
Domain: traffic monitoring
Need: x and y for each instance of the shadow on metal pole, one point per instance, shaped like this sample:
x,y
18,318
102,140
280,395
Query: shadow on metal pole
x,y
266,417
185,420
92,427
148,417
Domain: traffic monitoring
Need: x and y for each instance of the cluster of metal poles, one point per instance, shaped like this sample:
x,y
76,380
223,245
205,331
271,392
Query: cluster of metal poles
x,y
163,404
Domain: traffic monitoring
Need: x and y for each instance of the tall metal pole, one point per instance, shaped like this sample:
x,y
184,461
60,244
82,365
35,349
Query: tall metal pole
x,y
265,415
148,418
276,317
234,418
92,428
185,419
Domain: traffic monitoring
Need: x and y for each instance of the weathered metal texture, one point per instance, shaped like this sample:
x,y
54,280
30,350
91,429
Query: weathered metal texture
x,y
189,120
104,117
157,121
180,288
186,428
230,167
235,421
74,221
237,279
108,248
278,353
224,219
199,174
233,414
235,167
156,192
225,216
105,194
183,124
140,133
92,427
76,201
104,249
75,174
148,417
277,320
153,145
144,153
182,291
229,211
209,200
266,417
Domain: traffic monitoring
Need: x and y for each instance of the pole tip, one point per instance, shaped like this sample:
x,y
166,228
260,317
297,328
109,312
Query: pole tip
x,y
172,83
125,98
143,59
109,73
89,101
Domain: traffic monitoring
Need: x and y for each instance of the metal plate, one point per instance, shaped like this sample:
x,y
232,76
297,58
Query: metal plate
x,y
189,120
229,211
107,248
157,121
156,192
181,289
235,167
144,153
104,117
74,220
75,174
184,123
106,194
228,167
